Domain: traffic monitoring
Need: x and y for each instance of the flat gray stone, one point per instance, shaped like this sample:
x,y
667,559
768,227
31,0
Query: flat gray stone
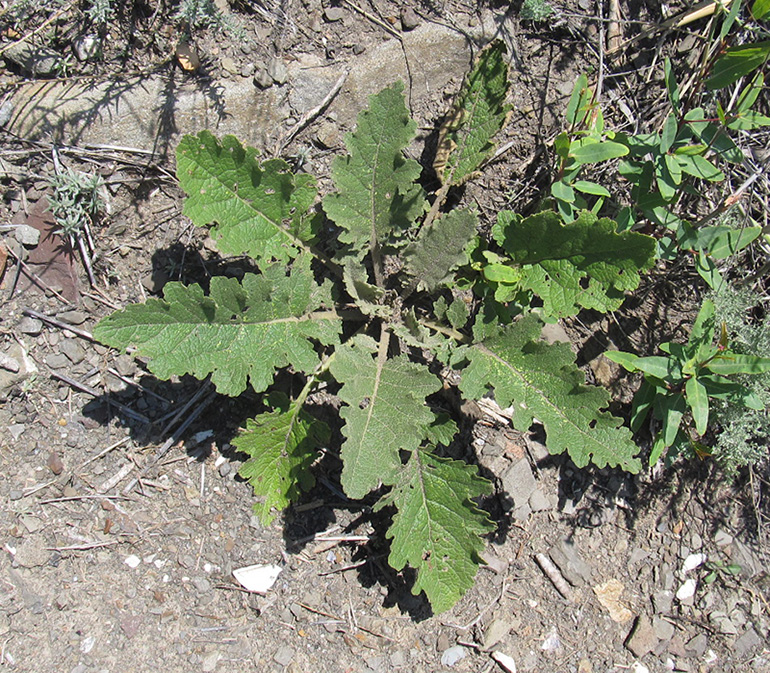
x,y
696,647
539,502
519,482
575,570
663,629
28,236
642,639
283,655
749,641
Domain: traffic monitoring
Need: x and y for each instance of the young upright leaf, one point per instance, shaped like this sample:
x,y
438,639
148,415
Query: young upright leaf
x,y
737,62
376,198
437,528
542,382
465,139
386,412
256,207
440,248
282,445
582,264
239,333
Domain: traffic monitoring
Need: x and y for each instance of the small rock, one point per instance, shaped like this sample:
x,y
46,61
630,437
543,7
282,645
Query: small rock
x,y
538,501
609,595
201,584
283,655
409,19
278,71
132,561
693,561
664,630
229,65
27,236
211,660
73,317
452,655
575,570
696,647
662,602
507,662
332,14
33,60
495,632
642,639
398,658
749,641
638,667
31,326
687,590
519,482
7,108
248,70
723,623
16,430
552,642
553,333
262,79
55,463
57,361
225,469
722,538
72,349
87,47
125,365
15,494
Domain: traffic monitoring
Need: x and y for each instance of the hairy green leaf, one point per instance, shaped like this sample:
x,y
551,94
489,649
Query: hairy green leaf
x,y
377,198
465,139
257,208
282,445
437,527
241,332
542,382
440,248
582,264
386,412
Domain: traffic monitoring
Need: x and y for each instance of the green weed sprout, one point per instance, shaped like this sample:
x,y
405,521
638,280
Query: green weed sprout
x,y
677,387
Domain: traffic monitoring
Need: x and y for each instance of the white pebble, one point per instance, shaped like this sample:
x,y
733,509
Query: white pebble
x,y
687,590
132,561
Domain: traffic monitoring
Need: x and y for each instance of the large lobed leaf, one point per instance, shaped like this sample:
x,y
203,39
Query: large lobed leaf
x,y
258,208
282,444
385,413
437,528
542,382
440,248
377,198
465,139
583,264
241,332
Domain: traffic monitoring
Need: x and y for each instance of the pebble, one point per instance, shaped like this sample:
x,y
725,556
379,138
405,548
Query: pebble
x,y
519,482
662,601
73,317
722,538
495,632
225,469
696,646
409,19
56,360
229,65
132,561
31,326
210,661
16,430
15,494
283,655
687,590
746,643
278,71
201,584
538,501
664,630
262,79
87,47
248,70
565,555
27,236
642,639
55,463
73,350
452,655
332,14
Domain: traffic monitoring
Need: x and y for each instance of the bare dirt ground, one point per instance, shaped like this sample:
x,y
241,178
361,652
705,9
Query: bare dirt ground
x,y
121,513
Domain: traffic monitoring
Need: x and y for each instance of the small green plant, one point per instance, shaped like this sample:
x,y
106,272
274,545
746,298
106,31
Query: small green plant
x,y
76,200
536,10
678,388
100,12
718,569
378,311
196,14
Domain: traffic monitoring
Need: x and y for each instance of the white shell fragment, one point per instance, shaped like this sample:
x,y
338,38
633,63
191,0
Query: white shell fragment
x,y
693,561
258,579
687,590
506,662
